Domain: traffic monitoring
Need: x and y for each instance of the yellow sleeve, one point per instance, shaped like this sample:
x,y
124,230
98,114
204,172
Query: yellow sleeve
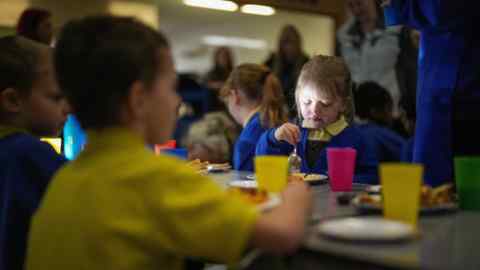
x,y
196,218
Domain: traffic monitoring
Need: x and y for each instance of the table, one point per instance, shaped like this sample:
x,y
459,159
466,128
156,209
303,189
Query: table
x,y
448,241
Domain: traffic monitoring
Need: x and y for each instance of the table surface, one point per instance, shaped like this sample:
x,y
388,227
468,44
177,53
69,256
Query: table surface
x,y
447,241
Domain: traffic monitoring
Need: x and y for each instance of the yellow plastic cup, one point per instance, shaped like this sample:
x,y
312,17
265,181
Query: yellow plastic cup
x,y
401,186
271,173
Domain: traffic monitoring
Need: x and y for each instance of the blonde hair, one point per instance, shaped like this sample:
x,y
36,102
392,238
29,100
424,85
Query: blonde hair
x,y
216,131
259,84
329,76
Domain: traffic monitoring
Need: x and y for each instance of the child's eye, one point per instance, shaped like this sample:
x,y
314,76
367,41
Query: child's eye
x,y
307,102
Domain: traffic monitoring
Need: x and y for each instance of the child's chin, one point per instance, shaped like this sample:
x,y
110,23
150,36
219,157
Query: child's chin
x,y
313,124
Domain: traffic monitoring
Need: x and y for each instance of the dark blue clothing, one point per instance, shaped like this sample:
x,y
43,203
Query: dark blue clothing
x,y
448,83
407,151
27,165
366,163
388,144
244,151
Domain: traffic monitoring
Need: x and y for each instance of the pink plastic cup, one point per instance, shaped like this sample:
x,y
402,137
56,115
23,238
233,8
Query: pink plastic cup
x,y
341,167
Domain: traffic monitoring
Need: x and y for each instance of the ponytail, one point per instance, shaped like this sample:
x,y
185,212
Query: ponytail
x,y
273,112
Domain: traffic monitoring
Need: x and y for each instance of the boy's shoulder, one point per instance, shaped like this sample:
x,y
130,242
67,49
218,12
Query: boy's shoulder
x,y
23,143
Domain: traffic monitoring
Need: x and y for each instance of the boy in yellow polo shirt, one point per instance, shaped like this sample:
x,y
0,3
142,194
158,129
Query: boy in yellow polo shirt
x,y
118,206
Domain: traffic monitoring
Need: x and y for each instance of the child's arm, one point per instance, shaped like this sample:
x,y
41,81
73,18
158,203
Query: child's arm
x,y
282,229
278,141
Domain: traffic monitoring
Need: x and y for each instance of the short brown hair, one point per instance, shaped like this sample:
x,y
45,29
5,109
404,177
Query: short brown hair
x,y
259,84
330,76
19,63
97,59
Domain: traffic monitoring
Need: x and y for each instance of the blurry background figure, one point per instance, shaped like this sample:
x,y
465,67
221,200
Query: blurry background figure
x,y
211,139
36,24
370,50
373,106
223,64
287,63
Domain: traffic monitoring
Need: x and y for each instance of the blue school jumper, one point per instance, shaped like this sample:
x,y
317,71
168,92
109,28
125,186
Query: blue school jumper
x,y
387,143
26,167
448,81
244,151
366,163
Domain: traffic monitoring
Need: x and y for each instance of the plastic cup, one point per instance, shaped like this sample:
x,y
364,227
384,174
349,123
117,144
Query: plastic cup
x,y
467,176
341,168
271,173
401,185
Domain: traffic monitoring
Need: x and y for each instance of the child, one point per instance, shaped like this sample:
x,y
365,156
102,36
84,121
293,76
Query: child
x,y
118,206
211,139
254,97
374,108
324,99
31,106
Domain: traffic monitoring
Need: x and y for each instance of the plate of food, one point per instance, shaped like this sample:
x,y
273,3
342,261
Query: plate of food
x,y
433,201
312,179
366,229
204,167
250,192
218,167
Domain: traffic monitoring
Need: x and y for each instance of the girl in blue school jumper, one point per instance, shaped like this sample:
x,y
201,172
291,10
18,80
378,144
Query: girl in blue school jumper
x,y
254,98
31,106
324,99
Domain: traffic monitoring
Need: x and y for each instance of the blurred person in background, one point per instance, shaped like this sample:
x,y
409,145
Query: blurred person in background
x,y
211,139
36,24
287,63
369,49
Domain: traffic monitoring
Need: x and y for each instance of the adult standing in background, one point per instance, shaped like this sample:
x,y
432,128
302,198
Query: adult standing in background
x,y
36,24
287,63
370,50
222,66
448,81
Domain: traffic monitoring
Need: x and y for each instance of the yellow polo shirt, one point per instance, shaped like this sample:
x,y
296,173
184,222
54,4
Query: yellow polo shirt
x,y
119,207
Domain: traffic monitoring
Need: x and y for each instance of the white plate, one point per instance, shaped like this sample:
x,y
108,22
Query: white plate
x,y
218,167
250,177
243,184
273,201
366,229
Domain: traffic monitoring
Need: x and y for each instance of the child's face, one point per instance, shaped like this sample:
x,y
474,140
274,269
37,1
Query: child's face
x,y
318,111
162,102
45,110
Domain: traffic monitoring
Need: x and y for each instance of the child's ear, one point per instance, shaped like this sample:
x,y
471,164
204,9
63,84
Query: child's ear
x,y
11,100
136,100
236,96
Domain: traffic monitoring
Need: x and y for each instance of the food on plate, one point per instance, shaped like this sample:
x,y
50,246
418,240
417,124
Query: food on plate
x,y
251,195
198,165
306,177
429,197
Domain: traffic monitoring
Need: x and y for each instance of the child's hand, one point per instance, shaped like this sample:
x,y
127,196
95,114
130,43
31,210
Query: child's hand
x,y
288,132
298,192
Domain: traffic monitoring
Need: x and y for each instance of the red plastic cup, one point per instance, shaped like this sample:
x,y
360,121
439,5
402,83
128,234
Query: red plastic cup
x,y
341,167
